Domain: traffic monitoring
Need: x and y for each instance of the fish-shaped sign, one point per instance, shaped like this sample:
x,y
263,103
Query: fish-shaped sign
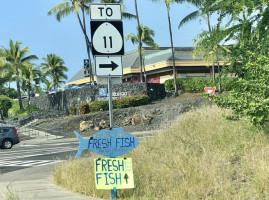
x,y
109,143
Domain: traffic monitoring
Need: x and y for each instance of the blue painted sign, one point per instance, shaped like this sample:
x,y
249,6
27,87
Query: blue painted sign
x,y
109,143
102,92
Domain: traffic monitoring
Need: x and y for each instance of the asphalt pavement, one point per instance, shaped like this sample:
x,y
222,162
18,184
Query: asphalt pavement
x,y
36,182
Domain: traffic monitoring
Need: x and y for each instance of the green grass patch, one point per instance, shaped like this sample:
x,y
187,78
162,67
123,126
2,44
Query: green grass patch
x,y
16,112
201,156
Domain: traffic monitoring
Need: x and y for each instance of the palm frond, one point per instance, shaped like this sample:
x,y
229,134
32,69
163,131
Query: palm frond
x,y
192,16
128,15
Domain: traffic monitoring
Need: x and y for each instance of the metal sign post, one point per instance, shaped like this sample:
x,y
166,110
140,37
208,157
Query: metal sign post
x,y
113,193
107,47
110,103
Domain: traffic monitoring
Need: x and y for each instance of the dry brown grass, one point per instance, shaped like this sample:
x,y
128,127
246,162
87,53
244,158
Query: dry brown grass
x,y
202,156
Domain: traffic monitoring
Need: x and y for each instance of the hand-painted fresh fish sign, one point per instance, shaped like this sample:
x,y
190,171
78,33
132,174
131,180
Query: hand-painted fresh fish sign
x,y
109,143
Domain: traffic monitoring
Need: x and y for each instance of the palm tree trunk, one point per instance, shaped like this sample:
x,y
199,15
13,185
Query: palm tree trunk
x,y
88,46
140,42
220,89
144,68
19,90
213,72
209,29
28,92
9,90
173,53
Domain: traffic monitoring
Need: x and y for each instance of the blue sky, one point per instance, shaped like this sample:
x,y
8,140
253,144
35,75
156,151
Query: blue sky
x,y
27,21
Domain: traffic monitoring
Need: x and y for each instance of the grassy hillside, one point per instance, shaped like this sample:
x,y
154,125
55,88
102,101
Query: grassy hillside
x,y
202,156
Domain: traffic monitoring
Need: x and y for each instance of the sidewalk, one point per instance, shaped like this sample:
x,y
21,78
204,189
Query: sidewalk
x,y
35,183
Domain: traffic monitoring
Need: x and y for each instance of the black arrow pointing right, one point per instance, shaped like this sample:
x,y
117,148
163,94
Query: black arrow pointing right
x,y
112,65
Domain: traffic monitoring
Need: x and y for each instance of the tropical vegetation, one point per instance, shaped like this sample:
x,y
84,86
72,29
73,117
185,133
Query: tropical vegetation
x,y
144,36
5,105
200,156
54,68
14,59
239,37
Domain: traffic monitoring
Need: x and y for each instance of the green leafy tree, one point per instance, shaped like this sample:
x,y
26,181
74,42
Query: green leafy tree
x,y
54,68
247,29
145,35
5,105
250,96
15,60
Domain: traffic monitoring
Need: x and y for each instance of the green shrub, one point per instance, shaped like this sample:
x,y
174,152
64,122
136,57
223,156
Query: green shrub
x,y
5,105
73,110
96,106
198,84
10,92
132,101
227,83
84,108
123,102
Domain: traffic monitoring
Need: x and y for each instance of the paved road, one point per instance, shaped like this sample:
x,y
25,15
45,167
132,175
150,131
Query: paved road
x,y
25,156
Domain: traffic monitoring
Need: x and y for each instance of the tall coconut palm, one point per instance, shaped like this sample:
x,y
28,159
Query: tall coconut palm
x,y
168,3
139,41
80,8
144,36
30,75
15,60
55,69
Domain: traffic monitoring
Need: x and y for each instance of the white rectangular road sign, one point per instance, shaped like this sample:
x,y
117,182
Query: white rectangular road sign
x,y
105,11
108,66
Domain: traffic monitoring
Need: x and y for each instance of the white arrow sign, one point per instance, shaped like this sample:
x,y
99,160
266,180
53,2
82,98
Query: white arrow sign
x,y
108,66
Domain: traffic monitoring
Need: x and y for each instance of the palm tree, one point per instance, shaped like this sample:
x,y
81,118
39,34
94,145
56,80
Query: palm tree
x,y
76,6
15,60
54,68
139,41
144,36
29,76
201,5
167,3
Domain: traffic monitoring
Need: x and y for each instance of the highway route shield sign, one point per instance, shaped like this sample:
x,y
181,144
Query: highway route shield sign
x,y
113,173
107,38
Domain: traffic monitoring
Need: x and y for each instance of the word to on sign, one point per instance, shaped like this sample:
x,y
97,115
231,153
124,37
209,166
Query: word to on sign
x,y
110,143
113,173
